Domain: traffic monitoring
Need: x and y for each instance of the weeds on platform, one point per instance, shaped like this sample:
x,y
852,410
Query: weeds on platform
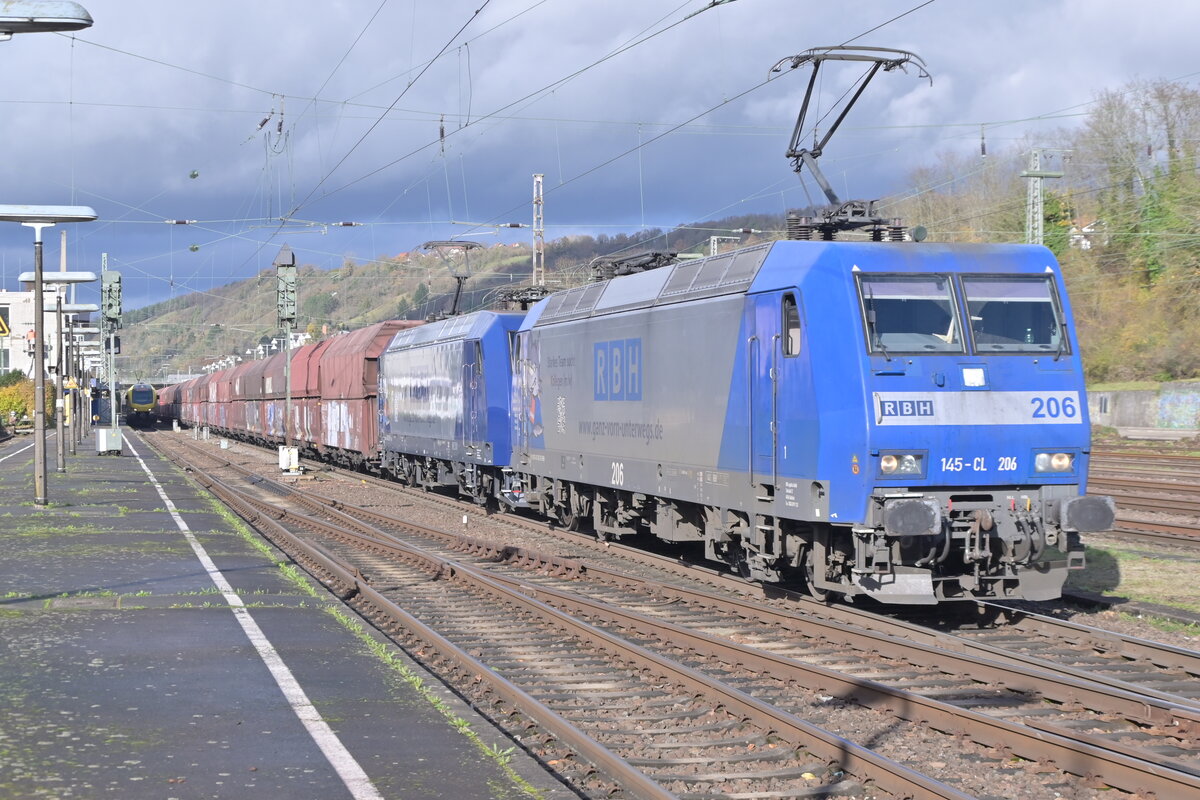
x,y
502,756
105,489
36,527
48,603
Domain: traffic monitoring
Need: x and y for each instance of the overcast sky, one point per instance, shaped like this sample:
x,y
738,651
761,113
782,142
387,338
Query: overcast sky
x,y
122,115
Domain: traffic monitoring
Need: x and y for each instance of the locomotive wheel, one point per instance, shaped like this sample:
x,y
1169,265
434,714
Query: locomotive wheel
x,y
810,571
572,513
566,517
735,557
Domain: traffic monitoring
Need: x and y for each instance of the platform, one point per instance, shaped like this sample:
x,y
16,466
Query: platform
x,y
154,650
1158,434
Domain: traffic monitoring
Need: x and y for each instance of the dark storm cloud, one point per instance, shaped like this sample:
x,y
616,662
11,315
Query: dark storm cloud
x,y
121,115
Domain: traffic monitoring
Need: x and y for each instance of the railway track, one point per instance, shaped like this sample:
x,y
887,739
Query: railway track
x,y
1135,726
1151,483
1176,503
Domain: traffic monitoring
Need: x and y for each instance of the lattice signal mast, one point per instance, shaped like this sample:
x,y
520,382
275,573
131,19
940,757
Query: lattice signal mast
x,y
1035,205
539,234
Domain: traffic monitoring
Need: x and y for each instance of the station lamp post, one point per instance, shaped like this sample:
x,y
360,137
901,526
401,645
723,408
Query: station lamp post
x,y
41,16
57,279
70,374
39,217
83,344
88,354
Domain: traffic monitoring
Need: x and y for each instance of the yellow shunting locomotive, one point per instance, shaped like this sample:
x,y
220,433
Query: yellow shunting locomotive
x,y
141,400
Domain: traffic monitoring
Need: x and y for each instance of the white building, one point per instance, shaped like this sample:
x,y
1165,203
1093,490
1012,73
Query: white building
x,y
1088,236
16,330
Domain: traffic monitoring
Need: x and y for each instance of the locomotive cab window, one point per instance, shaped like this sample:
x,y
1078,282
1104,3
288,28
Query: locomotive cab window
x,y
910,314
514,349
1015,314
791,326
141,394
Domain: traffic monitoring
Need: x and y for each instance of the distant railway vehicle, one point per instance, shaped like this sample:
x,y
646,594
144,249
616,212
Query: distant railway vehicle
x,y
897,420
141,403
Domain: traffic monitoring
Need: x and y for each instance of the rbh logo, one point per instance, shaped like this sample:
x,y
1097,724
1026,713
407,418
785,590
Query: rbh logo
x,y
906,408
617,369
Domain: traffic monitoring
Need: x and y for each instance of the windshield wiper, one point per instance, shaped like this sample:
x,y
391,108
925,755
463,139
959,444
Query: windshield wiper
x,y
1062,341
875,334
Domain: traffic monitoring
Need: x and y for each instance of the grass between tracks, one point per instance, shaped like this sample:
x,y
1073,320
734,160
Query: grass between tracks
x,y
1142,572
386,653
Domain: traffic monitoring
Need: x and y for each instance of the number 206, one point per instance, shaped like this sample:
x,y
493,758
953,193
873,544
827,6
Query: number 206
x,y
1053,407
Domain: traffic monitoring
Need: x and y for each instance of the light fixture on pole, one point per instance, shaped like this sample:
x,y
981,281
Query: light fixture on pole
x,y
84,344
41,16
57,279
39,217
71,376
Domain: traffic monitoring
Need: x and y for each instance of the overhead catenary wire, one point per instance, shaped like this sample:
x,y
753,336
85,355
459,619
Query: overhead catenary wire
x,y
536,93
376,123
380,118
710,110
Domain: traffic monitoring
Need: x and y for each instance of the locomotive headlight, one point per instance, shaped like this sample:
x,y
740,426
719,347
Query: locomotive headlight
x,y
1054,462
900,464
1062,462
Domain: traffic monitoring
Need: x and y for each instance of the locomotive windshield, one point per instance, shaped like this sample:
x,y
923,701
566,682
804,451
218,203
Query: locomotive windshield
x,y
1012,313
910,314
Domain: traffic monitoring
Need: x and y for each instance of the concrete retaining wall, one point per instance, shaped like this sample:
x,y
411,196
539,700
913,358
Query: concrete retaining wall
x,y
1173,406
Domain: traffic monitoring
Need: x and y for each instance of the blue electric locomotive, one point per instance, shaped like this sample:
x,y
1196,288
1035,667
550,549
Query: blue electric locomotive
x,y
444,390
897,420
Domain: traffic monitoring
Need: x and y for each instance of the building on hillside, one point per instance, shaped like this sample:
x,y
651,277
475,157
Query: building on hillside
x,y
1086,237
272,345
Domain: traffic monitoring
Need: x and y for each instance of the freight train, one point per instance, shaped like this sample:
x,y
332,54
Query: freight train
x,y
886,419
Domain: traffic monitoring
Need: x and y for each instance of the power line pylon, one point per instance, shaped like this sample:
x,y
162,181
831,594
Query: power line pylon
x,y
1035,201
